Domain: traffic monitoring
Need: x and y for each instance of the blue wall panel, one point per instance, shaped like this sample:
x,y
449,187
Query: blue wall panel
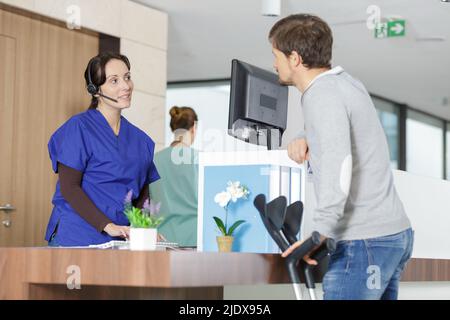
x,y
250,236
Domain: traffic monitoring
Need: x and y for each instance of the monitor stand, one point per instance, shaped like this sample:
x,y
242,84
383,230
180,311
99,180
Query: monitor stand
x,y
273,137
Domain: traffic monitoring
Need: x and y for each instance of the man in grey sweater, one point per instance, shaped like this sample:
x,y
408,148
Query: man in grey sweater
x,y
357,203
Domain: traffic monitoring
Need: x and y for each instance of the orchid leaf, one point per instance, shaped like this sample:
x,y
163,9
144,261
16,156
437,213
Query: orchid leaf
x,y
220,225
234,226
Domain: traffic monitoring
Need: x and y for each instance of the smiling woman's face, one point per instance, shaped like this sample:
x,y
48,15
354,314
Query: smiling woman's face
x,y
118,85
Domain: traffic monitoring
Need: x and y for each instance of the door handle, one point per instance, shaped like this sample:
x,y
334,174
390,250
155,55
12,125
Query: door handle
x,y
6,223
7,207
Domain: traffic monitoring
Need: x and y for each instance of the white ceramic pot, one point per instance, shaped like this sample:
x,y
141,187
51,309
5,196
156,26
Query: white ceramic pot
x,y
143,239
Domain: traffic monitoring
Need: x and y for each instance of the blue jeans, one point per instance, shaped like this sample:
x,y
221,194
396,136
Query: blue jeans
x,y
368,269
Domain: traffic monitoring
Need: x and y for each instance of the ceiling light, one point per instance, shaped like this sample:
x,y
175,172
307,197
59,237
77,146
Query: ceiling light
x,y
271,8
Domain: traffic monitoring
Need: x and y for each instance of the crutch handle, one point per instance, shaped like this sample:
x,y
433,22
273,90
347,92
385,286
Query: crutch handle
x,y
305,247
299,253
327,247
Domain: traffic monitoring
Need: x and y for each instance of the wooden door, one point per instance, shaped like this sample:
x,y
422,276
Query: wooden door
x,y
7,80
41,86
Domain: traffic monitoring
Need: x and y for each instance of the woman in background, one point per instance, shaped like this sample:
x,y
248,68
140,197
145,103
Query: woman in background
x,y
177,189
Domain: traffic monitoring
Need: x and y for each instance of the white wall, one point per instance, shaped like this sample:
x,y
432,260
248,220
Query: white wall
x,y
143,34
427,203
144,41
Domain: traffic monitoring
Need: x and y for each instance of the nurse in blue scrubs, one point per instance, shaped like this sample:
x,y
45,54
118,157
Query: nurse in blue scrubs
x,y
99,157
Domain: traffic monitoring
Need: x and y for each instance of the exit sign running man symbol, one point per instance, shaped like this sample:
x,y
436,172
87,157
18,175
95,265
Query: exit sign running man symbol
x,y
395,28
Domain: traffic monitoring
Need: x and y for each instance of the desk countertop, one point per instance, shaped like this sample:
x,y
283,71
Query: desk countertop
x,y
36,272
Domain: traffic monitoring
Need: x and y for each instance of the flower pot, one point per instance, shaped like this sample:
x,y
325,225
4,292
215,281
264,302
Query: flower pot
x,y
224,243
143,238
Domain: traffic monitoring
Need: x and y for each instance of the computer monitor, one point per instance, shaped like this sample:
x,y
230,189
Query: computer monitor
x,y
258,105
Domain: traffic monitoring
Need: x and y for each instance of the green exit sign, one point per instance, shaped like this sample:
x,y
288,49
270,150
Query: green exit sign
x,y
395,28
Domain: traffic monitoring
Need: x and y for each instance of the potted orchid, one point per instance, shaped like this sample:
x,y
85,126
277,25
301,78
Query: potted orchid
x,y
143,223
233,193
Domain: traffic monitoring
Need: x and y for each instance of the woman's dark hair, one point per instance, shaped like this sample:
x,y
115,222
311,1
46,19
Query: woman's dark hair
x,y
182,118
96,68
308,35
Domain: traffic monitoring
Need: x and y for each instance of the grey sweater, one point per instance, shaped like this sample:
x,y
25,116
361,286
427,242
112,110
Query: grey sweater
x,y
349,158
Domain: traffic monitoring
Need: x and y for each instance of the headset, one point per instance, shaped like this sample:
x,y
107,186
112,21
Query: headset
x,y
92,88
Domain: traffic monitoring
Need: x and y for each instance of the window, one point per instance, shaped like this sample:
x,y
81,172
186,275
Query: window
x,y
388,114
447,139
424,145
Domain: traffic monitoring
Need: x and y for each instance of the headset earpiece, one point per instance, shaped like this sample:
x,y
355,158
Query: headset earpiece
x,y
91,88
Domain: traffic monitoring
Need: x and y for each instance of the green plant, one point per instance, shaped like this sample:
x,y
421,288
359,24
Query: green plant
x,y
147,217
233,192
223,228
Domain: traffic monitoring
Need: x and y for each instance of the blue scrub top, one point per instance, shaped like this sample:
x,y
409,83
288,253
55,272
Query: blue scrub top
x,y
111,165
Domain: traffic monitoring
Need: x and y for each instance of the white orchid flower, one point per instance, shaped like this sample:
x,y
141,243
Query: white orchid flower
x,y
235,184
222,198
236,190
235,193
233,189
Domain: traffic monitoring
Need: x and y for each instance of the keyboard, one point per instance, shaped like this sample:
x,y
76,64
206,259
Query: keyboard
x,y
166,244
118,244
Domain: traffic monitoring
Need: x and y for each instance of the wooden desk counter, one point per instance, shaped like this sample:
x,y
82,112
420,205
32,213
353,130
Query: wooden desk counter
x,y
43,273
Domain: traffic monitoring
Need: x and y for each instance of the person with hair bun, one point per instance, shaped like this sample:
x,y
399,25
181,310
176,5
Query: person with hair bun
x,y
177,189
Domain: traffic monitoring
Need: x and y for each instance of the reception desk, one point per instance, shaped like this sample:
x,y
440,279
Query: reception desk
x,y
44,273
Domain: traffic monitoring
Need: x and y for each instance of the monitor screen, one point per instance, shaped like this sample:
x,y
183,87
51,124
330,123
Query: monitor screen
x,y
258,105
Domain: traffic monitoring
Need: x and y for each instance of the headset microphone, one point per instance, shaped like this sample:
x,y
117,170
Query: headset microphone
x,y
102,95
92,88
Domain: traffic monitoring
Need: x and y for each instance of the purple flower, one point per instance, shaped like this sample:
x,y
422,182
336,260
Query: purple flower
x,y
128,197
146,205
151,207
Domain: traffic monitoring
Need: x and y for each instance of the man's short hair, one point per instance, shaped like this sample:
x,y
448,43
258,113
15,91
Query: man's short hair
x,y
308,35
